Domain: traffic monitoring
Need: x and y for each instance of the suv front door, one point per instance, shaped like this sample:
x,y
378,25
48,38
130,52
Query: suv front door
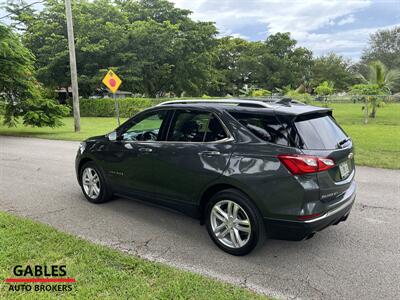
x,y
130,167
196,152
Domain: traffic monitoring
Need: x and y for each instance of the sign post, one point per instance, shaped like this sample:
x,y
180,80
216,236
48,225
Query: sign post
x,y
112,82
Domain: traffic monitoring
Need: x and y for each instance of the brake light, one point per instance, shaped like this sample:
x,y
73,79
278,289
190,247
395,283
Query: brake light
x,y
305,164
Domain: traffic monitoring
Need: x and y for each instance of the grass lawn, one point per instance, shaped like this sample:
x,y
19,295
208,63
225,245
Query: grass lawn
x,y
89,127
100,272
377,143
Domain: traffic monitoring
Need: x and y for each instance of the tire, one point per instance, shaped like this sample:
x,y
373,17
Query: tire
x,y
98,192
242,231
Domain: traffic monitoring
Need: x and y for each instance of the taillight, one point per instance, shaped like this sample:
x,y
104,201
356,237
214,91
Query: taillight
x,y
305,164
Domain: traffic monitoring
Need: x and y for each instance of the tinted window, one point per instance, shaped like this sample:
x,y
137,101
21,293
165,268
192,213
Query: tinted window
x,y
195,126
146,129
319,132
215,131
269,129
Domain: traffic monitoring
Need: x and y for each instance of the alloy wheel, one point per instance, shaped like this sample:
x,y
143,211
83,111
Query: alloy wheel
x,y
230,224
91,183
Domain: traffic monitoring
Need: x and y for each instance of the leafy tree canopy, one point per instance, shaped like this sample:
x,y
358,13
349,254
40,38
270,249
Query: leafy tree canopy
x,y
158,49
335,69
19,88
153,45
384,45
17,83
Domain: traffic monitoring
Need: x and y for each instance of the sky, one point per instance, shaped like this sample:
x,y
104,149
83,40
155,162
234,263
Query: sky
x,y
324,26
338,26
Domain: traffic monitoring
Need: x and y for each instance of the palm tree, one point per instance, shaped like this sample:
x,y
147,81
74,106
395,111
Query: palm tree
x,y
381,77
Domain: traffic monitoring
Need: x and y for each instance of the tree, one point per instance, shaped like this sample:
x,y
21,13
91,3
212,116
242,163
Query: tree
x,y
378,74
97,25
282,63
265,65
19,88
17,83
235,64
370,93
335,69
154,46
384,45
378,82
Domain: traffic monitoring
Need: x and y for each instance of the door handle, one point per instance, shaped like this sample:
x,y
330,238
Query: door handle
x,y
146,150
210,153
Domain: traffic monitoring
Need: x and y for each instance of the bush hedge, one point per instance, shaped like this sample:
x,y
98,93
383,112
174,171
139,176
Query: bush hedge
x,y
106,107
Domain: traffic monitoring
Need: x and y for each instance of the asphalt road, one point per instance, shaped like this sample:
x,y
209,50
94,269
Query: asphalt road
x,y
358,259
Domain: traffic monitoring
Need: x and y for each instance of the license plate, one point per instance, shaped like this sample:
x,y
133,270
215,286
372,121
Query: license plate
x,y
344,169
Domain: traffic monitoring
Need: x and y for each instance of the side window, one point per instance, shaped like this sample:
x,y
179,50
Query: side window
x,y
146,129
215,130
195,126
188,126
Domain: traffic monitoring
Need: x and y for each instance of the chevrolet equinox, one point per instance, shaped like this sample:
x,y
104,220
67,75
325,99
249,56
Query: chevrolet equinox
x,y
248,169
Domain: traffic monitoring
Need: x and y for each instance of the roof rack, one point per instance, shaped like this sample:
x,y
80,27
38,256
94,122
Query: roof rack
x,y
251,103
281,100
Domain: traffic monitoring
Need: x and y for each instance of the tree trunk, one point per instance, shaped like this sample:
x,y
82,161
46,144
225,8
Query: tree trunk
x,y
374,107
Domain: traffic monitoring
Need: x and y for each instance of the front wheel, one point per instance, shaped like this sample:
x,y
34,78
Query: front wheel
x,y
234,223
93,184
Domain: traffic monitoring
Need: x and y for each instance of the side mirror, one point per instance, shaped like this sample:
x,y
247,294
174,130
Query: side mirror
x,y
112,136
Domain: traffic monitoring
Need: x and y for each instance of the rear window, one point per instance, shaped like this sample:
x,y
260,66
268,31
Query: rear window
x,y
319,132
315,131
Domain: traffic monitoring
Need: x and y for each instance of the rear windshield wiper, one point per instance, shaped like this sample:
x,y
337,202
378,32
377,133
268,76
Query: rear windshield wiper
x,y
344,141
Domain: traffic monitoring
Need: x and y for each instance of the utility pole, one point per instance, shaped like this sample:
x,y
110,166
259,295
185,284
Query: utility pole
x,y
72,63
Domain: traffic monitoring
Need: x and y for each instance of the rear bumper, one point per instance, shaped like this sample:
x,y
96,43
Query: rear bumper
x,y
299,230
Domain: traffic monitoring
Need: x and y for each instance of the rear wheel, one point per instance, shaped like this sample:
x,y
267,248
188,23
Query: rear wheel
x,y
234,223
93,184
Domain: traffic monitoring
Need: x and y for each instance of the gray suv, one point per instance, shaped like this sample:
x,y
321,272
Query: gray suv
x,y
248,169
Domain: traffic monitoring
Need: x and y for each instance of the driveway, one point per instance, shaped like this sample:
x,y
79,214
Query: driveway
x,y
356,259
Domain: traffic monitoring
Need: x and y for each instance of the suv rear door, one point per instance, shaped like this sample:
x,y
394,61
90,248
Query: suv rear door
x,y
196,152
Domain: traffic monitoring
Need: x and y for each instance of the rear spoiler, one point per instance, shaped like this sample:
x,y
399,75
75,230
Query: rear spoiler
x,y
301,110
309,113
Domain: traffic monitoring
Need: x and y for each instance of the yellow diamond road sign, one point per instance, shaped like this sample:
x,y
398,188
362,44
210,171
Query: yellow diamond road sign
x,y
112,81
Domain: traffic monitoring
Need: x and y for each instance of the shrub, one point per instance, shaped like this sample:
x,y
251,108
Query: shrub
x,y
260,93
106,107
253,91
305,97
44,113
325,88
